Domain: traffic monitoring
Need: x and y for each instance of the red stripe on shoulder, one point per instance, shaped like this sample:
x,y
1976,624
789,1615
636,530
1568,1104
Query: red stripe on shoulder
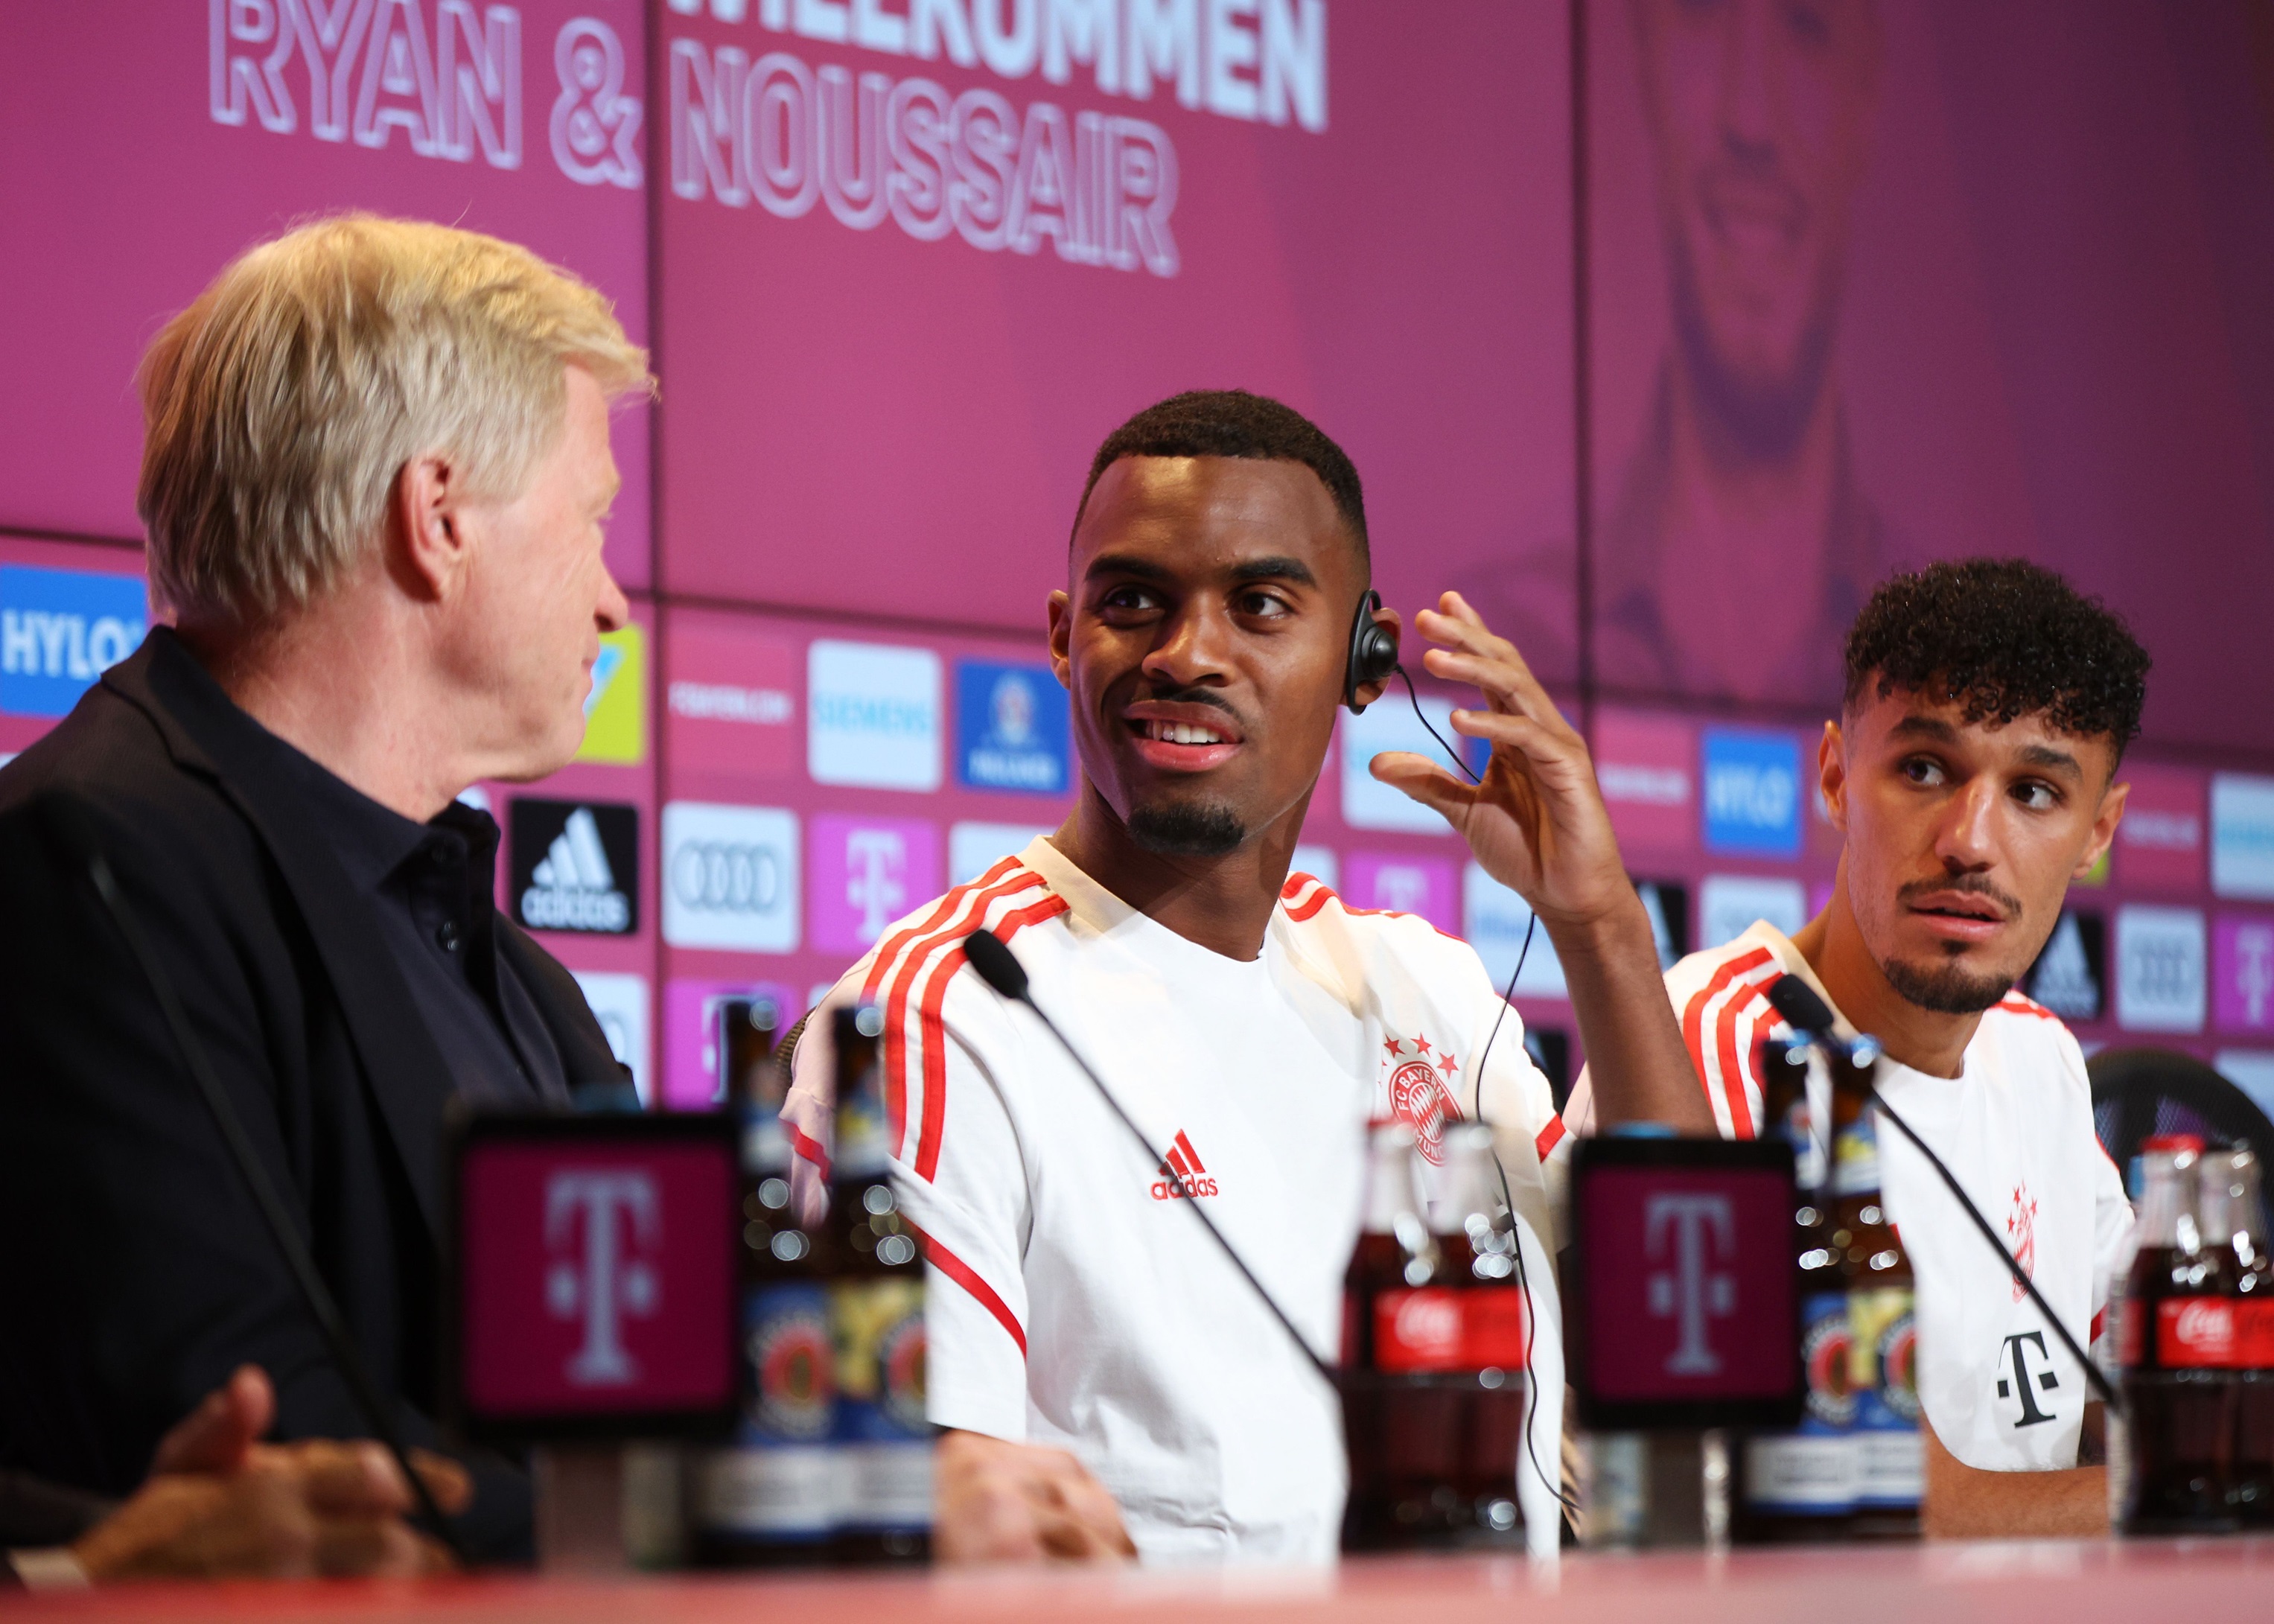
x,y
1693,1013
934,1029
2014,1003
963,1274
945,924
1737,1066
1303,913
893,946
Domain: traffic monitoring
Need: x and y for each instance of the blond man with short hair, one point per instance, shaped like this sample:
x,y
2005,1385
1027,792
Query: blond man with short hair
x,y
374,481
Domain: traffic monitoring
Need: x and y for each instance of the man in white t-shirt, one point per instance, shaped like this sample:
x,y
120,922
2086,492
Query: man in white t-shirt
x,y
1973,774
1249,1020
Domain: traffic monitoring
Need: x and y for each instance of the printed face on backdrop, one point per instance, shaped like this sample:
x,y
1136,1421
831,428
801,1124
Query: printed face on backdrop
x,y
1961,840
537,597
1759,114
1203,637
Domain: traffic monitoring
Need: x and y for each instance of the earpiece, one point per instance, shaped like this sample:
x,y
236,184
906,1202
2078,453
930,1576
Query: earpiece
x,y
1373,652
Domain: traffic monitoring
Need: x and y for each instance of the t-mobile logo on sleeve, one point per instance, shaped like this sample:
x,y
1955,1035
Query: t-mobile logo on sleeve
x,y
600,1226
866,873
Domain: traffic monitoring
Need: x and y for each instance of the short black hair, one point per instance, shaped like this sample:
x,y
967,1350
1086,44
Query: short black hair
x,y
1232,423
2007,638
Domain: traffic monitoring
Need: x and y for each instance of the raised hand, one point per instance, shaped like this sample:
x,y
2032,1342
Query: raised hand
x,y
1537,824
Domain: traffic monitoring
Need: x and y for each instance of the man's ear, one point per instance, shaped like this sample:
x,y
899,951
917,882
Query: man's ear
x,y
1061,612
427,549
1368,692
2104,829
1831,775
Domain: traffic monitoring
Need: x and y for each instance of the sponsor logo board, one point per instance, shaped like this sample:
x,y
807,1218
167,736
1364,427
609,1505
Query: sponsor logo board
x,y
1011,728
576,864
1368,803
974,848
618,1003
2242,835
1399,883
1752,801
2242,972
872,715
2161,981
730,704
2070,977
1646,766
1495,921
60,629
2161,842
615,709
1727,905
730,877
866,873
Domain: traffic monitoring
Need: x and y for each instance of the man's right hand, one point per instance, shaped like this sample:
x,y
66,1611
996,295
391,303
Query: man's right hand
x,y
1006,1502
218,1503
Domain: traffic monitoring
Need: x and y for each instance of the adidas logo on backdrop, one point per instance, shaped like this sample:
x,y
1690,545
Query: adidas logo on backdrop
x,y
575,866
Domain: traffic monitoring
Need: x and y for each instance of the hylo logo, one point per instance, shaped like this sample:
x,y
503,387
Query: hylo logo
x,y
59,630
597,1223
1752,792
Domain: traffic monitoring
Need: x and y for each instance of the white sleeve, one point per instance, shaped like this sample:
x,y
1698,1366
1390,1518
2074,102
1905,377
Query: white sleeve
x,y
962,1181
1511,1095
2111,1237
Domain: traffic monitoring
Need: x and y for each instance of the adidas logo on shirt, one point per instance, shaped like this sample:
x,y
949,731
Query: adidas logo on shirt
x,y
575,866
1183,1177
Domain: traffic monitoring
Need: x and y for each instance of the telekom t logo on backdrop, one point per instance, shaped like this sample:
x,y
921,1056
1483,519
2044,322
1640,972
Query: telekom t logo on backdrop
x,y
602,1229
1697,1229
866,873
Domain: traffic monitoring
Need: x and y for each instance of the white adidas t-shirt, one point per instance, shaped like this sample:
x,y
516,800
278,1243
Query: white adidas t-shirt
x,y
2015,1127
1072,1301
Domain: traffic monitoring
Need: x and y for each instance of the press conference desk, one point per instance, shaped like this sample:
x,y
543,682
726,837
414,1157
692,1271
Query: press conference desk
x,y
2076,1584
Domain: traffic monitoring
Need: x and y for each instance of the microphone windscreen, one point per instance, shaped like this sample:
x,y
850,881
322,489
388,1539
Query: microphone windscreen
x,y
995,964
1797,1002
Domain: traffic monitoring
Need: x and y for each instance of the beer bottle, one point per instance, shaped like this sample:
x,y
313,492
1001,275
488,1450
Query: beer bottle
x,y
2231,1220
1883,1346
771,1498
2177,1343
876,1319
1433,1354
1801,1485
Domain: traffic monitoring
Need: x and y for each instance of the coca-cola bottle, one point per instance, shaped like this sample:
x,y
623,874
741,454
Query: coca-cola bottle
x,y
2232,1220
1883,1331
2177,1343
1801,1485
1433,1354
769,1499
876,1316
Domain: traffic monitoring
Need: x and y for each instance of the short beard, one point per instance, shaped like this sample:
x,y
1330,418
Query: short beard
x,y
1946,990
1182,829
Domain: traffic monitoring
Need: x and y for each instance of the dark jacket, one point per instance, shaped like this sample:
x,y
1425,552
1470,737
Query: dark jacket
x,y
134,1272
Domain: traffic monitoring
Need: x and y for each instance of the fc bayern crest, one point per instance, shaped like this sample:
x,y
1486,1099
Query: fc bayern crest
x,y
1417,1091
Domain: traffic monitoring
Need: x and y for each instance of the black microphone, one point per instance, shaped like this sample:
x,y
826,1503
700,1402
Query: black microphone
x,y
1000,970
72,826
1808,1014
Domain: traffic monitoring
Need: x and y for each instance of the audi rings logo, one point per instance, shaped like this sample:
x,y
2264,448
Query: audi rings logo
x,y
730,877
735,876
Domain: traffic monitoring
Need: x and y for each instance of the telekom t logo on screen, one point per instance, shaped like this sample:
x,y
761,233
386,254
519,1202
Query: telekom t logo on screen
x,y
1697,1229
603,1228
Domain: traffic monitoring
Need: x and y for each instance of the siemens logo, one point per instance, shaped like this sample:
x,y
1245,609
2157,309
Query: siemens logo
x,y
60,629
875,716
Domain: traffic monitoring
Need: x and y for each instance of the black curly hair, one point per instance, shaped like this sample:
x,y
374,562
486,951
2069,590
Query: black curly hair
x,y
2005,638
1232,423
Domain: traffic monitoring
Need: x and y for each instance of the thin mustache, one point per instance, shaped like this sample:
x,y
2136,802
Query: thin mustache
x,y
1188,696
1968,883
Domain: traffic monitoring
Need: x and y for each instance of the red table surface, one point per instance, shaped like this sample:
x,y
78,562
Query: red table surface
x,y
2072,1583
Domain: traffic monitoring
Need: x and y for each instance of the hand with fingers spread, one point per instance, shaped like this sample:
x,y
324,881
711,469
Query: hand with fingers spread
x,y
218,1503
1537,824
1008,1503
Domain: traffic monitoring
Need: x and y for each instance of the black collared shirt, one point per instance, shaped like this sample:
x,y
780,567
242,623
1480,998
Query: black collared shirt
x,y
433,888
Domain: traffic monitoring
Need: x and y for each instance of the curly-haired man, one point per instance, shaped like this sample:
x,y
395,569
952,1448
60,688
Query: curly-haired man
x,y
1972,773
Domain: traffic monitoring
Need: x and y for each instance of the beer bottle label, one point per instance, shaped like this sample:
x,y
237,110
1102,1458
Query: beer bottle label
x,y
878,1328
781,1479
2196,1332
1882,1364
1855,1158
1441,1328
1816,1469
